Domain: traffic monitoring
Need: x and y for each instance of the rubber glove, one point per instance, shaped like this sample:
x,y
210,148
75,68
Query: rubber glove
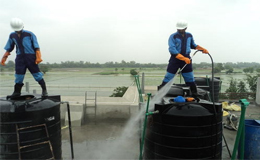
x,y
38,57
4,58
202,49
182,58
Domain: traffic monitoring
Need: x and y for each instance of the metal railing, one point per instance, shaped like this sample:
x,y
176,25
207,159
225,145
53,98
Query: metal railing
x,y
237,96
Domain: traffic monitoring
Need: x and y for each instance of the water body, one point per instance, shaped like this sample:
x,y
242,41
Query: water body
x,y
75,83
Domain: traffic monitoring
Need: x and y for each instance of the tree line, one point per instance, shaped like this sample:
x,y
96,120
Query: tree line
x,y
230,69
248,67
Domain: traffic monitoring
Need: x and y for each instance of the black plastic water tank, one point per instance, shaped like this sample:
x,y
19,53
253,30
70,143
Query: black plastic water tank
x,y
203,94
183,90
175,91
206,84
184,131
30,128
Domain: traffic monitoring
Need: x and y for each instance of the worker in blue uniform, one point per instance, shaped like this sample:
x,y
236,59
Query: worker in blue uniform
x,y
180,45
28,56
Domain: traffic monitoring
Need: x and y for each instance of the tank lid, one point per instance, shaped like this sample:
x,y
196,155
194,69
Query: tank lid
x,y
188,110
175,91
26,103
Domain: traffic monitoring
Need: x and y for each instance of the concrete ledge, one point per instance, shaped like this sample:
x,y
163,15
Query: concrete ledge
x,y
150,89
76,114
107,107
76,107
75,117
63,109
131,94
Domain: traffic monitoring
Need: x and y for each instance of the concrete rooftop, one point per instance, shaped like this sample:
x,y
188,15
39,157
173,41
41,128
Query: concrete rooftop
x,y
117,137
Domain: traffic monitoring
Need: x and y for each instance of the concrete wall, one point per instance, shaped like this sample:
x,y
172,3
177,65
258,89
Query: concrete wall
x,y
76,114
258,92
107,107
115,111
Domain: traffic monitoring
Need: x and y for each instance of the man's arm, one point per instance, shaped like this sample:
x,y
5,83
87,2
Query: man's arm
x,y
172,46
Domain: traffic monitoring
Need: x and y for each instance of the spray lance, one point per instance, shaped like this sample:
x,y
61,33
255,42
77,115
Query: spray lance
x,y
190,59
179,72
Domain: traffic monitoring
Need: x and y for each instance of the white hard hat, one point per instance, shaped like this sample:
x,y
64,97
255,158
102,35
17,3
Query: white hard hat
x,y
16,24
182,24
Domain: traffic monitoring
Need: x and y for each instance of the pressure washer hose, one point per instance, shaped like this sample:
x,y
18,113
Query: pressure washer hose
x,y
212,82
213,101
212,89
213,98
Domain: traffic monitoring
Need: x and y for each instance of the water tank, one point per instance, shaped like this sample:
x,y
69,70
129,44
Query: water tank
x,y
206,84
30,128
203,94
175,91
183,90
184,131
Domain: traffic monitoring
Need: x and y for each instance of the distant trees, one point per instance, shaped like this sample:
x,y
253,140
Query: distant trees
x,y
247,67
10,66
110,64
229,69
242,64
218,67
248,70
44,68
217,70
237,89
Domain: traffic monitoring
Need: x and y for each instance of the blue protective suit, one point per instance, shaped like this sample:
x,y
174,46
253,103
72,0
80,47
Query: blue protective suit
x,y
26,46
183,45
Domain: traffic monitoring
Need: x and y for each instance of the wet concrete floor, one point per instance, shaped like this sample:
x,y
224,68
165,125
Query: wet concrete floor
x,y
102,139
116,139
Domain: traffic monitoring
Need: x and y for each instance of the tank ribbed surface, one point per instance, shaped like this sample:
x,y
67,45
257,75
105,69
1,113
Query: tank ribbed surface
x,y
33,125
186,131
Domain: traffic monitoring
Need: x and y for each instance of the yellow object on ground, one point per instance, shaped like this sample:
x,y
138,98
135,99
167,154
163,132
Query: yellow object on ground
x,y
231,107
64,127
225,113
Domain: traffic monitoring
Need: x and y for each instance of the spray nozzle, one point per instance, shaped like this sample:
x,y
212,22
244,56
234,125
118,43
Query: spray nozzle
x,y
154,112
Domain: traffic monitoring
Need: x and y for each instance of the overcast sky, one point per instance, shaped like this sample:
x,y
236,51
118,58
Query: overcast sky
x,y
135,30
